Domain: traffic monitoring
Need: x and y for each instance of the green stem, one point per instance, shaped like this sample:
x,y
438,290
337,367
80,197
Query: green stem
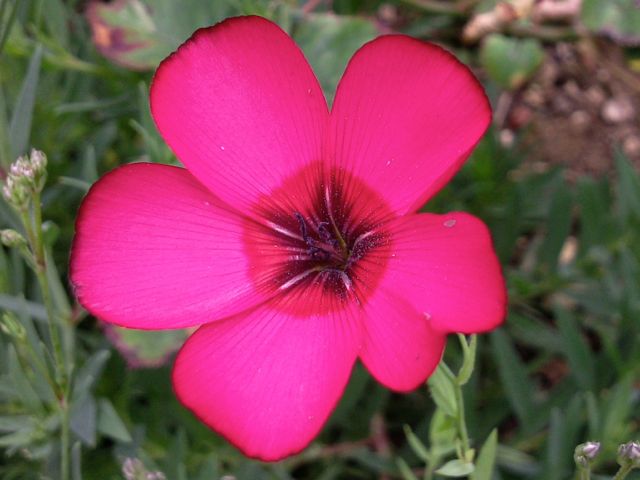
x,y
464,374
429,471
462,423
64,438
34,232
42,368
33,227
61,370
584,474
623,472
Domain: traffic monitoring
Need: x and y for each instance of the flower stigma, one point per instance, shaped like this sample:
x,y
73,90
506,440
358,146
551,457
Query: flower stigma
x,y
328,239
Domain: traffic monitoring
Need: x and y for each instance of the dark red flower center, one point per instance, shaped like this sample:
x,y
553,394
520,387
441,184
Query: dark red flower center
x,y
322,235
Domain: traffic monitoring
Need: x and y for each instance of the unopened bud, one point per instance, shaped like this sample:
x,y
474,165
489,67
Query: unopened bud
x,y
12,327
585,453
12,239
22,168
27,175
134,469
17,191
629,454
38,162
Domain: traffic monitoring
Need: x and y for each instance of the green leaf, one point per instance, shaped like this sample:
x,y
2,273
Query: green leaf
x,y
510,62
110,423
20,126
416,444
145,348
578,353
534,332
20,305
456,468
208,470
11,423
17,10
76,461
594,419
616,410
21,383
90,372
628,187
139,34
558,226
84,419
617,19
443,390
329,41
18,439
595,217
5,151
555,447
57,21
518,462
514,377
442,434
58,292
405,470
486,458
468,358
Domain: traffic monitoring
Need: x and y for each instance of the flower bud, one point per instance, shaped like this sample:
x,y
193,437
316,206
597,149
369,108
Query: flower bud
x,y
134,469
12,239
17,190
629,454
585,453
27,175
38,161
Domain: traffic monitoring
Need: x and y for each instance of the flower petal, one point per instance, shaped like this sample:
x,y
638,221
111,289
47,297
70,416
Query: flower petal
x,y
406,116
241,108
446,268
152,250
268,380
400,348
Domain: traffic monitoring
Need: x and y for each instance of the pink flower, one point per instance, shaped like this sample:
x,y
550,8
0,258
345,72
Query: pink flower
x,y
292,237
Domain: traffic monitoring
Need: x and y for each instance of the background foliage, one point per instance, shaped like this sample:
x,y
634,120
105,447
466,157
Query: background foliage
x,y
554,179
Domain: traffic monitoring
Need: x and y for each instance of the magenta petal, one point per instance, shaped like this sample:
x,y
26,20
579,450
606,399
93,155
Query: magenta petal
x,y
241,108
268,380
400,348
152,250
446,268
405,117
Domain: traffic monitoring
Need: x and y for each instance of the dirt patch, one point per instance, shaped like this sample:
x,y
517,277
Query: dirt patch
x,y
583,103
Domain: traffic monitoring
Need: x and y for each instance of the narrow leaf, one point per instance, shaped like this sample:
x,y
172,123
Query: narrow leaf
x,y
405,471
514,377
20,127
76,461
416,444
628,187
558,226
576,349
83,419
110,423
486,458
456,468
90,372
20,305
443,390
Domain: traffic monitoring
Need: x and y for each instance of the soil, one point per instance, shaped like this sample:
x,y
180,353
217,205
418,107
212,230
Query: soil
x,y
583,102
